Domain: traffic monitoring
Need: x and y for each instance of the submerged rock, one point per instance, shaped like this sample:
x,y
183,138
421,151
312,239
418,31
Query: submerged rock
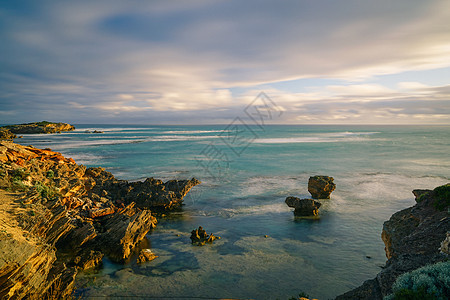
x,y
320,187
199,237
304,207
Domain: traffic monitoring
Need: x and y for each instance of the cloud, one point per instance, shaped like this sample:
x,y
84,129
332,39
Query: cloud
x,y
183,59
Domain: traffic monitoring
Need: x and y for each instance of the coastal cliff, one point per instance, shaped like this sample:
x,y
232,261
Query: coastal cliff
x,y
58,217
39,127
413,238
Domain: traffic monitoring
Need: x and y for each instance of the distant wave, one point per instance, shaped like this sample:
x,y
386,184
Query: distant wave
x,y
191,131
115,129
79,144
334,137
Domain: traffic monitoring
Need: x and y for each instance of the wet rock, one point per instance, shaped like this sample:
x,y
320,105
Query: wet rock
x,y
199,237
303,207
320,187
145,255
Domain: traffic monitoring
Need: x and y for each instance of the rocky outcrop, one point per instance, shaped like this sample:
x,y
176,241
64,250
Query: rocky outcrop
x,y
69,217
5,134
445,245
151,193
145,255
413,238
199,237
124,231
39,127
320,187
303,207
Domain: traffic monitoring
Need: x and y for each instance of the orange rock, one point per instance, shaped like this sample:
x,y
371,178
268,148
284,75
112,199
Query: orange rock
x,y
100,212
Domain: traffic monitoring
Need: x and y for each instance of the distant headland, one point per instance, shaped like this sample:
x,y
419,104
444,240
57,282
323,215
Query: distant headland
x,y
10,131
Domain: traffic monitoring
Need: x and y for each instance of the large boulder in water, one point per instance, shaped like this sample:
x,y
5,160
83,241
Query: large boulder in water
x,y
320,187
303,207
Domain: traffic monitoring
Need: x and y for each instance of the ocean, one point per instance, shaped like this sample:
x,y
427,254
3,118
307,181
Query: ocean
x,y
246,173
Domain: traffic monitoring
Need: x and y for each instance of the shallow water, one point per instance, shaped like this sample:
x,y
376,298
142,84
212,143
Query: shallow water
x,y
246,175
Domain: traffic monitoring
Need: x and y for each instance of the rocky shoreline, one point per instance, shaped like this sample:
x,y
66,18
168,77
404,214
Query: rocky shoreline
x,y
414,237
65,217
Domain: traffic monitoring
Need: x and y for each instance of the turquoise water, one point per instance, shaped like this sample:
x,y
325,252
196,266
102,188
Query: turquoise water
x,y
246,174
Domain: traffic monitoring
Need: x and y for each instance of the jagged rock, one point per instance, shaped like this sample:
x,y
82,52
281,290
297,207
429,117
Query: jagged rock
x,y
320,187
5,134
413,238
145,255
303,207
88,259
199,237
30,265
149,194
39,127
419,193
124,231
445,245
73,216
100,212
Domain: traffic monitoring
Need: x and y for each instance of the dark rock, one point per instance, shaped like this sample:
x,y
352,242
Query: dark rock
x,y
303,207
145,255
150,194
420,193
413,238
320,187
199,237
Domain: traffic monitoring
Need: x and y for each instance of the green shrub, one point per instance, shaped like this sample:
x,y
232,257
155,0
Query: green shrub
x,y
45,191
50,174
19,174
431,282
17,185
442,195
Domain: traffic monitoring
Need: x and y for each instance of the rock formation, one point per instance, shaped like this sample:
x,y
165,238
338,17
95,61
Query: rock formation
x,y
145,255
413,238
303,207
320,187
5,134
64,217
152,193
199,237
39,127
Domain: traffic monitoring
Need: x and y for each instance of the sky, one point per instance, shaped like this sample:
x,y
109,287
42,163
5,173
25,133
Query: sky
x,y
205,61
